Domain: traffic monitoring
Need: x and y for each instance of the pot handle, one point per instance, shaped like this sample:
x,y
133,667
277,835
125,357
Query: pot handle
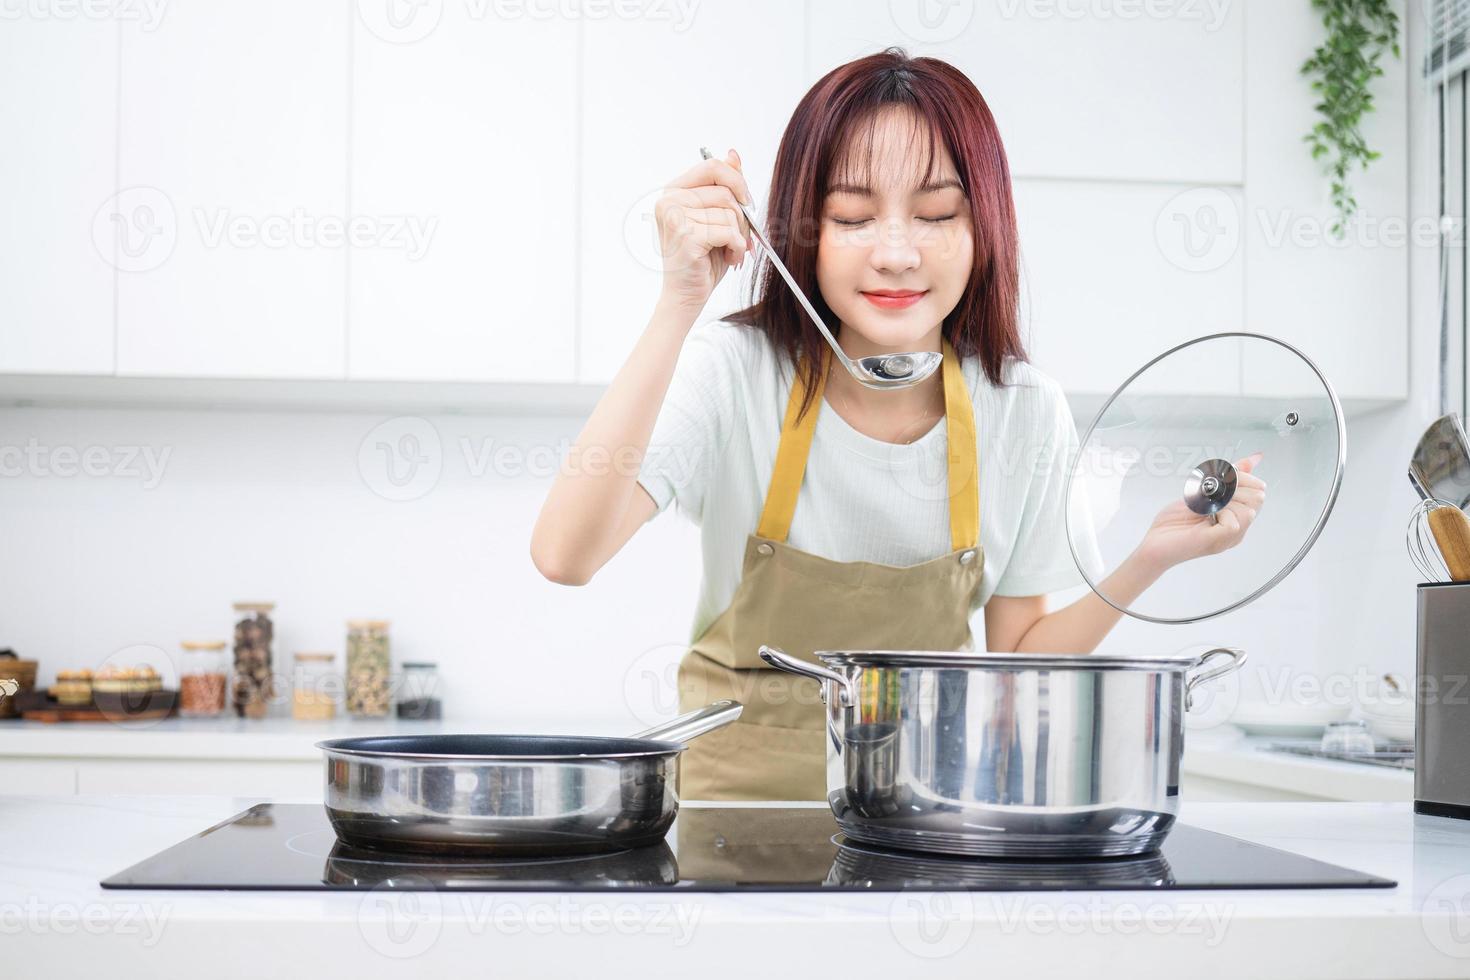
x,y
782,660
715,715
1236,661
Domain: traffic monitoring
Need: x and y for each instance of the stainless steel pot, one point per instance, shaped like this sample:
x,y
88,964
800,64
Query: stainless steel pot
x,y
510,794
1006,755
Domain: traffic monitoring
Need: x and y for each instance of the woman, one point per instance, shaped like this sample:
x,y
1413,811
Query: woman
x,y
891,204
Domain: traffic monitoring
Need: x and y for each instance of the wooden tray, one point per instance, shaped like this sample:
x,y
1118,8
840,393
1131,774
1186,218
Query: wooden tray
x,y
85,713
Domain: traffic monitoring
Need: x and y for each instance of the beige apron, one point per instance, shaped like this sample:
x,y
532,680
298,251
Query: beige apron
x,y
802,603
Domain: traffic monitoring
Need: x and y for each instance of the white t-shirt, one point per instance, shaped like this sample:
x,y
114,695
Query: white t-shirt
x,y
714,446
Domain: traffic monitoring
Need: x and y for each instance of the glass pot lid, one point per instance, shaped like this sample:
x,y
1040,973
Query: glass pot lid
x,y
1169,448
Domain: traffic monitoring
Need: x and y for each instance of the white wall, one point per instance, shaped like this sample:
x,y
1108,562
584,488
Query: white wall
x,y
276,505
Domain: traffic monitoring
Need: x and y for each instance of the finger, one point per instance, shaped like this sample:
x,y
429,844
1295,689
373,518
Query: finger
x,y
1249,497
1244,515
721,237
727,219
717,195
1250,462
1249,480
715,171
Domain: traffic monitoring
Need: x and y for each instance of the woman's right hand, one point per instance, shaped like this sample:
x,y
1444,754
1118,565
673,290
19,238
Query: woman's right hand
x,y
701,231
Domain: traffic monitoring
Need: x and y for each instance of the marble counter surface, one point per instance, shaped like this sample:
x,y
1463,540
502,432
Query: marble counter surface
x,y
58,922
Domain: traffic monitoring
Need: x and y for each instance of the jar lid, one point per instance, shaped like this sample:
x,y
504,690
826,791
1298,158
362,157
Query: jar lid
x,y
203,644
1168,443
327,657
264,607
367,624
419,665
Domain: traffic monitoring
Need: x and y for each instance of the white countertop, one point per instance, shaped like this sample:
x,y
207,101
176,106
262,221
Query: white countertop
x,y
1226,754
57,921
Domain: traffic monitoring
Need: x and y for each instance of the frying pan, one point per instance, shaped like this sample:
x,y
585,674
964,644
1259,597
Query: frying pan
x,y
510,794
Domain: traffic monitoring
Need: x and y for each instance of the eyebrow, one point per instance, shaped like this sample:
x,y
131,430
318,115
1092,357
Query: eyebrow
x,y
861,191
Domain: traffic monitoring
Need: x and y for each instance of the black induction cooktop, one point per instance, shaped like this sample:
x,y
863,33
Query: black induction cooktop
x,y
292,847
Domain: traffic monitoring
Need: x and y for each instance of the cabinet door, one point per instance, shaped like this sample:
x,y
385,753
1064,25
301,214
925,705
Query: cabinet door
x,y
57,124
232,165
654,90
1344,302
464,124
1114,275
37,777
1114,90
222,777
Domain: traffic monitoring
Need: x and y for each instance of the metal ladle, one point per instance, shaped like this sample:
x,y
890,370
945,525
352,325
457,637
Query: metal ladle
x,y
881,371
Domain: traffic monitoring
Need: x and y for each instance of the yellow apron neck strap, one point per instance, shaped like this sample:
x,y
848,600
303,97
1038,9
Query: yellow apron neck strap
x,y
796,444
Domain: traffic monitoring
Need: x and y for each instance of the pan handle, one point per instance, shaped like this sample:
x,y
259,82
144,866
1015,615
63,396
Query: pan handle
x,y
1237,660
695,723
782,660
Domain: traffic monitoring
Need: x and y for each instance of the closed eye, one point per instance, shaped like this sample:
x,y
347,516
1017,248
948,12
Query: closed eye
x,y
947,217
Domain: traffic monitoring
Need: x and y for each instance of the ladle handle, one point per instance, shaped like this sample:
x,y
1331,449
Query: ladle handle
x,y
806,304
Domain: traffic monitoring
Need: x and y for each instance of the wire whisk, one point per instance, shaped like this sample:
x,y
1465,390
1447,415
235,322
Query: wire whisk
x,y
1419,539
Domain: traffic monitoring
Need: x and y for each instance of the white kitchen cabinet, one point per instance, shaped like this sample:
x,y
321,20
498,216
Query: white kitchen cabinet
x,y
1082,91
37,777
1109,281
654,90
464,133
232,165
173,777
1344,303
57,124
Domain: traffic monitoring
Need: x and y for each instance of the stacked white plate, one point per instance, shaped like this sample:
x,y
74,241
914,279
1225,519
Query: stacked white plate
x,y
1287,719
1389,712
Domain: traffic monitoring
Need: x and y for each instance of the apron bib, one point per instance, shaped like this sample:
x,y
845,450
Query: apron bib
x,y
802,603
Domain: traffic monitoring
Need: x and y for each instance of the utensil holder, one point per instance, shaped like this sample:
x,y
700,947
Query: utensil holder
x,y
1442,701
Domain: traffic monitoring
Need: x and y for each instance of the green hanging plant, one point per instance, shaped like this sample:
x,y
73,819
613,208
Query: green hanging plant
x,y
1358,32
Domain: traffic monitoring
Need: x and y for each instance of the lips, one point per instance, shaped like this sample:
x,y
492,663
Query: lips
x,y
894,299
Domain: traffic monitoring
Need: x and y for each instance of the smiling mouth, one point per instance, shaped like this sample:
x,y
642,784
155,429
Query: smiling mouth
x,y
894,299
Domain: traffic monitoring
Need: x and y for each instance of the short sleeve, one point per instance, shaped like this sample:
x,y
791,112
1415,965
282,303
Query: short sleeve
x,y
1042,560
694,422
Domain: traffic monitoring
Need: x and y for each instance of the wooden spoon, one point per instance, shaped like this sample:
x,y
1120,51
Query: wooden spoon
x,y
1452,534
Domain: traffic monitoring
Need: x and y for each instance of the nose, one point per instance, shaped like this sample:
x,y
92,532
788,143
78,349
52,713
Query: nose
x,y
894,250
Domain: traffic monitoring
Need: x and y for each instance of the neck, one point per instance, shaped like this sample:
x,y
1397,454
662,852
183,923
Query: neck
x,y
895,403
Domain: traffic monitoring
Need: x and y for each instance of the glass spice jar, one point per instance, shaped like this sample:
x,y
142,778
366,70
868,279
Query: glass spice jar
x,y
204,676
254,685
313,694
367,668
418,691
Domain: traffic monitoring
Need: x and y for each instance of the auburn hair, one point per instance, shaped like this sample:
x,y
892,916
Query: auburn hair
x,y
945,105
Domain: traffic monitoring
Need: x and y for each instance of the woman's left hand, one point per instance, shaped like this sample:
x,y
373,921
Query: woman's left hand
x,y
1178,534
